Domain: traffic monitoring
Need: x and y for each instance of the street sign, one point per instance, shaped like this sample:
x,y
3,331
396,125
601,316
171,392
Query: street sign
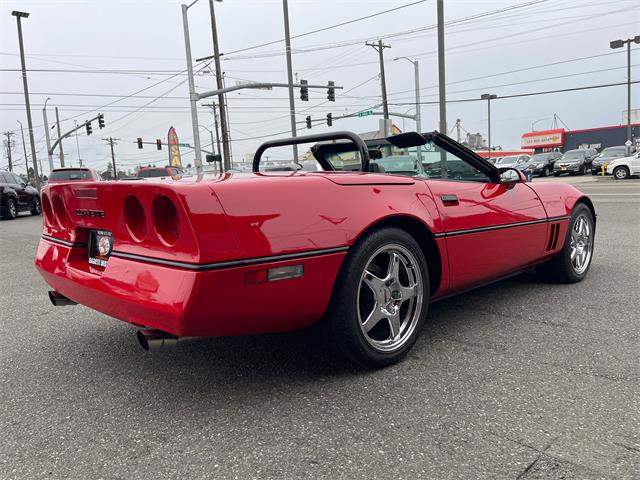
x,y
184,145
365,113
628,143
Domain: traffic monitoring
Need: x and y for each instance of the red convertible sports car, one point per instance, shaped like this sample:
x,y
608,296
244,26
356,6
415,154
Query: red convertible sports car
x,y
362,245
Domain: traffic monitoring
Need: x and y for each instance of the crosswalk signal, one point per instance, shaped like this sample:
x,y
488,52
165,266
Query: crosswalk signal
x,y
87,125
304,91
308,121
100,121
159,144
331,92
139,142
329,119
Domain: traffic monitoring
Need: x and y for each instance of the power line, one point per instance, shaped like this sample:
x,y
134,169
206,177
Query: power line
x,y
323,29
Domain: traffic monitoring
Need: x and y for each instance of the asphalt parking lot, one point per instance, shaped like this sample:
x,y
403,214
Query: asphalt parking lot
x,y
517,380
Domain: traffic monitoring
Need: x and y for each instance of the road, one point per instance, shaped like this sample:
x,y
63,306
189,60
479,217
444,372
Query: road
x,y
517,380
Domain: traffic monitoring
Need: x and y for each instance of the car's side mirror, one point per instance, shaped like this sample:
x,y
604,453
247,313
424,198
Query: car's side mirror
x,y
511,176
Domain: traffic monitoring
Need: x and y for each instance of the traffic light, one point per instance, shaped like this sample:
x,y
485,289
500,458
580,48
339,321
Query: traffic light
x,y
329,119
304,91
88,127
308,121
100,121
139,142
331,92
159,144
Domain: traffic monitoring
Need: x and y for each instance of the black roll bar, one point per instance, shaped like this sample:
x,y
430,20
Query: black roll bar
x,y
319,137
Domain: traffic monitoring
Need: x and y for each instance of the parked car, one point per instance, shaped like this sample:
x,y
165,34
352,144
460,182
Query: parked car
x,y
542,163
575,161
623,168
514,161
362,252
160,172
607,156
17,196
74,174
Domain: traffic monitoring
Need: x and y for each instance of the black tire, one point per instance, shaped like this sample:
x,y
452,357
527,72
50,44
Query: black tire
x,y
556,174
545,172
621,173
35,206
11,211
354,295
561,268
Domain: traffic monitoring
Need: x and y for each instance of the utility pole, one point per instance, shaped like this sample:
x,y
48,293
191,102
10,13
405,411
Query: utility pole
x,y
213,108
75,122
292,106
24,147
20,15
8,144
458,138
488,97
113,157
46,134
59,144
379,47
221,100
418,118
441,68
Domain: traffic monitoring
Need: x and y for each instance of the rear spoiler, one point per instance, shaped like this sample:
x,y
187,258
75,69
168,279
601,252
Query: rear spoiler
x,y
320,137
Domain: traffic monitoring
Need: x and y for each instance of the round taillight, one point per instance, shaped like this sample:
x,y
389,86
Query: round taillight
x,y
166,220
46,208
135,218
60,211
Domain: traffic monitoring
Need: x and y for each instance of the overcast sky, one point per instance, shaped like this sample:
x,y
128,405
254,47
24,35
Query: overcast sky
x,y
128,46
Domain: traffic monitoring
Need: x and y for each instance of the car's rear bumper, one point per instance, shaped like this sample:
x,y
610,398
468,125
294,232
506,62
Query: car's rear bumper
x,y
187,302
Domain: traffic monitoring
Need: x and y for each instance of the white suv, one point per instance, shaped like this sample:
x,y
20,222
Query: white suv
x,y
623,168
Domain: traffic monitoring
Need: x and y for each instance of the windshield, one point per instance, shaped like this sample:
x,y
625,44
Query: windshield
x,y
613,152
401,164
507,160
573,154
70,175
156,172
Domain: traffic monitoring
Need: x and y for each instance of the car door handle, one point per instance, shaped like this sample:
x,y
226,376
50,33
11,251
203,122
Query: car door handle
x,y
449,199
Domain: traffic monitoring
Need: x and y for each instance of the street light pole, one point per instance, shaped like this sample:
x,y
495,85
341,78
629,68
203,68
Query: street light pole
x,y
292,105
618,44
488,97
416,74
193,97
46,134
24,146
19,16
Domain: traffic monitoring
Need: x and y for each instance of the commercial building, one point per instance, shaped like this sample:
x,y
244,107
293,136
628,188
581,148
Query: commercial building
x,y
563,140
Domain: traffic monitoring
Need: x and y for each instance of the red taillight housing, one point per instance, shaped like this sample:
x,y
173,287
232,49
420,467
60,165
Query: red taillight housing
x,y
135,219
166,220
60,212
46,208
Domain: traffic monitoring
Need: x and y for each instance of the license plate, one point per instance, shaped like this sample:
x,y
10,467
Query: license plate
x,y
100,247
564,168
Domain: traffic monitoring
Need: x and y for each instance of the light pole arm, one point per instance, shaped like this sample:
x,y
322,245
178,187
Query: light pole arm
x,y
52,147
257,85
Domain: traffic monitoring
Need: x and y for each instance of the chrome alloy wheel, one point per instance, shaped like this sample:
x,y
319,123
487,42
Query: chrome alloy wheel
x,y
13,210
390,297
581,244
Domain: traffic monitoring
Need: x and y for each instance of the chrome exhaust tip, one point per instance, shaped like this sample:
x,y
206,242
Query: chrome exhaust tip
x,y
60,300
151,339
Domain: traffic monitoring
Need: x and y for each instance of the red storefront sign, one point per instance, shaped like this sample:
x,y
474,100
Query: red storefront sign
x,y
544,138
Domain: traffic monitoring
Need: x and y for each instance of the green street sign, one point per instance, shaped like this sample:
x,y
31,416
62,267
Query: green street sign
x,y
184,145
365,113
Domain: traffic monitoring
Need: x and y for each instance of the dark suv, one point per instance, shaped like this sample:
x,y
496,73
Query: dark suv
x,y
575,161
16,196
